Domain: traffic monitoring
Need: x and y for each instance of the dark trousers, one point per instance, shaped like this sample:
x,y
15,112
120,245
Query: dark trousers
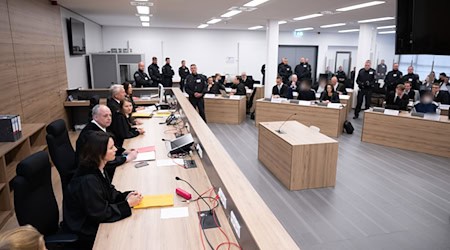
x,y
167,82
200,104
367,93
182,84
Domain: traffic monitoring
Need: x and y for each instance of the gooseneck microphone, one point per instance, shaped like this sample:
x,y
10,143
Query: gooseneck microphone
x,y
179,179
279,130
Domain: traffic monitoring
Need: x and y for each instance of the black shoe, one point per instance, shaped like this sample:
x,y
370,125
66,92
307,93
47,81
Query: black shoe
x,y
355,117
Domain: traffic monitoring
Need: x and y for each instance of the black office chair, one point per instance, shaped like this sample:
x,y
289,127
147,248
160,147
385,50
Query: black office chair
x,y
94,100
35,202
61,151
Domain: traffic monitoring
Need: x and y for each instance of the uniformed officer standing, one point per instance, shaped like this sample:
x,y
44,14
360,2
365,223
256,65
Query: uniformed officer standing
x,y
366,83
183,71
413,78
302,71
341,76
308,66
196,87
381,70
284,70
167,74
153,71
393,78
141,78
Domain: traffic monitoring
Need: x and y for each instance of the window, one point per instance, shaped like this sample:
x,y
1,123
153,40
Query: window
x,y
423,64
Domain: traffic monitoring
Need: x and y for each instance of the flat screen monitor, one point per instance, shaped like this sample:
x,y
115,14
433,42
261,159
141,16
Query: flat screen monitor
x,y
76,35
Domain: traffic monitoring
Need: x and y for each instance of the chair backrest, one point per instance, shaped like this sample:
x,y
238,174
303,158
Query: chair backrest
x,y
61,150
34,200
94,100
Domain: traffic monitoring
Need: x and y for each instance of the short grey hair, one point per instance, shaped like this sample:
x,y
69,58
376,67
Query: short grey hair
x,y
115,88
96,109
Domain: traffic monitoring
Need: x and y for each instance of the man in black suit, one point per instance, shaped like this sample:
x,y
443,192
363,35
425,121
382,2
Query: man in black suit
x,y
412,78
397,99
153,71
439,96
280,89
338,87
393,78
305,93
102,119
214,87
247,81
167,74
412,95
302,71
238,87
141,78
117,95
341,76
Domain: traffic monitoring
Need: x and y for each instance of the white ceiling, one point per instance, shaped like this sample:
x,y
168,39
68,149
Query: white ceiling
x,y
191,13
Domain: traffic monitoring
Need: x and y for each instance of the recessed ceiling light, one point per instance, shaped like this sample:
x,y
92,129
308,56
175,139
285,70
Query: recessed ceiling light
x,y
304,29
362,5
387,32
307,17
386,27
256,27
348,31
146,24
202,26
255,3
282,22
231,13
213,21
332,25
144,18
376,20
143,10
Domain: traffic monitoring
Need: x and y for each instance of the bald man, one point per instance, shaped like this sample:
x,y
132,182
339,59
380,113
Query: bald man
x,y
141,78
101,121
284,70
338,87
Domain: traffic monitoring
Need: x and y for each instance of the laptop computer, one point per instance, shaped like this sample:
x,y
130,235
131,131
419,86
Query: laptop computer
x,y
224,93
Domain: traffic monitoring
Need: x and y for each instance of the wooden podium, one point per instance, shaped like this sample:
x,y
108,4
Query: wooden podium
x,y
299,157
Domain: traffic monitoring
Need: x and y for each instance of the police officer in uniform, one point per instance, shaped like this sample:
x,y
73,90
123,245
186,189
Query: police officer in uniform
x,y
381,70
153,71
196,88
366,83
141,78
183,71
413,78
341,76
302,71
393,78
284,70
167,74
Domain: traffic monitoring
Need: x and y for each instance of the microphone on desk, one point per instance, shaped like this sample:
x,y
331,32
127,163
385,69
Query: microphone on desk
x,y
201,197
279,129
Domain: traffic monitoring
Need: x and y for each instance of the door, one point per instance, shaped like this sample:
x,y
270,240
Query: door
x,y
293,53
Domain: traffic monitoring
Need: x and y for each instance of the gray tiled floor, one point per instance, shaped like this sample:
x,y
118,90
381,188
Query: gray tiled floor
x,y
385,198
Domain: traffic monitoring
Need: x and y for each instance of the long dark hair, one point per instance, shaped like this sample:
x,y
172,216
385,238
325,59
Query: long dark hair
x,y
326,88
126,86
94,150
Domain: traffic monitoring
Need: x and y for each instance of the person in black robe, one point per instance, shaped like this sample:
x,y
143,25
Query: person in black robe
x,y
305,93
329,95
121,125
238,87
91,199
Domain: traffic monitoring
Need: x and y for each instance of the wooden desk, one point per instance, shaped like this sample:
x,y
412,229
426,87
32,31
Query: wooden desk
x,y
345,99
329,120
145,230
11,153
444,109
301,158
407,132
225,110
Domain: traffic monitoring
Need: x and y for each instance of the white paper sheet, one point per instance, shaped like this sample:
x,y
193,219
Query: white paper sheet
x,y
174,212
147,156
169,162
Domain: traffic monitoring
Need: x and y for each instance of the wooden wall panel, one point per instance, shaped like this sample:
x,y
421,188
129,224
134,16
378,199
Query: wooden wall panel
x,y
9,95
5,28
34,60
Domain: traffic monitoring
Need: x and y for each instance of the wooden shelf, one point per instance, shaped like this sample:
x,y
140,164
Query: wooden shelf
x,y
36,149
11,170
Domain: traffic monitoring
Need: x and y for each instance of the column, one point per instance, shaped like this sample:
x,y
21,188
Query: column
x,y
272,38
366,51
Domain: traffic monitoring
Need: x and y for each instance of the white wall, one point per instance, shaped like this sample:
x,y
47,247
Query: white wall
x,y
228,52
77,74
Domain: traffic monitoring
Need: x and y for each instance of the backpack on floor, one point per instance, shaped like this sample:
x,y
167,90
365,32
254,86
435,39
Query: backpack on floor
x,y
348,127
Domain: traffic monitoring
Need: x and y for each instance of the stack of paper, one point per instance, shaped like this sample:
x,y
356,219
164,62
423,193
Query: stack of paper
x,y
146,156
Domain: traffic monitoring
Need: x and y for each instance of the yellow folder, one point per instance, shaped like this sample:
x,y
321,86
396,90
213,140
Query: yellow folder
x,y
162,200
141,115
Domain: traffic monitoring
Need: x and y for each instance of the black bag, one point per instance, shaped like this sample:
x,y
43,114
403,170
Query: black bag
x,y
348,127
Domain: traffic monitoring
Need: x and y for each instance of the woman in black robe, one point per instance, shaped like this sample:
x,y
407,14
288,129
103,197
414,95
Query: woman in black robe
x,y
91,199
122,123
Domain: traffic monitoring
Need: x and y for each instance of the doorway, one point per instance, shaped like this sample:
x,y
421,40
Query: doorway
x,y
344,59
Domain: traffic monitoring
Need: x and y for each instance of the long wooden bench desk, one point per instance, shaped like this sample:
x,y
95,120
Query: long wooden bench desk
x,y
329,120
345,99
219,109
258,227
407,132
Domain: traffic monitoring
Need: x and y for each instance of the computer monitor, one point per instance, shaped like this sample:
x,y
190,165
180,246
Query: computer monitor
x,y
181,144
